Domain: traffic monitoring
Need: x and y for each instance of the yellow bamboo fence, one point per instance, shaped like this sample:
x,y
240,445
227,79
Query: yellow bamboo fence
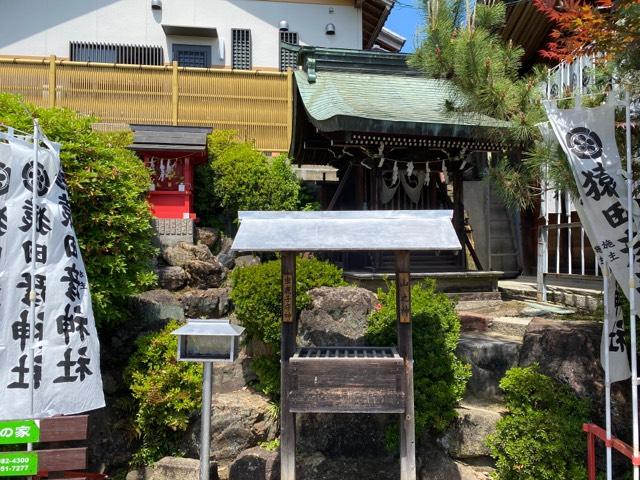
x,y
256,104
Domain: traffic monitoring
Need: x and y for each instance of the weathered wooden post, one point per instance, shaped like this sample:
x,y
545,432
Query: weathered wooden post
x,y
405,349
288,332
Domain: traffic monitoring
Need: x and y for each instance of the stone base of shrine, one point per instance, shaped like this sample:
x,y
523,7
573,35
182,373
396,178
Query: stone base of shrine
x,y
470,282
171,231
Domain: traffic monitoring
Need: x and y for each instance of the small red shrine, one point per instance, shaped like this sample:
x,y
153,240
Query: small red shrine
x,y
171,153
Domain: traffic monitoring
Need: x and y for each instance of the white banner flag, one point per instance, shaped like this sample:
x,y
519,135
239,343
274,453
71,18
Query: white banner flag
x,y
613,338
587,137
66,360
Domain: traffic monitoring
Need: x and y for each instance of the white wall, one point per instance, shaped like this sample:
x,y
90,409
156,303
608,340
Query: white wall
x,y
45,27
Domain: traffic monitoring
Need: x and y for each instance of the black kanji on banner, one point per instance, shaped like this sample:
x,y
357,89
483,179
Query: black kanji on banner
x,y
598,183
67,364
43,222
66,209
40,285
41,252
73,279
70,246
21,329
615,215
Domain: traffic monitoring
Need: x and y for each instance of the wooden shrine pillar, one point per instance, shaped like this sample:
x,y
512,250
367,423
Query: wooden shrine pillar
x,y
458,214
289,330
405,349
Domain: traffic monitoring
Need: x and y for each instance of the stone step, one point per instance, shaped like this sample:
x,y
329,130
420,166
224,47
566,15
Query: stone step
x,y
510,326
466,437
490,355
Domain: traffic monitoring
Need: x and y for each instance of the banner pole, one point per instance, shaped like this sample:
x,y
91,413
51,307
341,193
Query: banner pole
x,y
608,301
632,290
32,286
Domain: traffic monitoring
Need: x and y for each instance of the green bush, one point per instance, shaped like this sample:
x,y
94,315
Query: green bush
x,y
107,185
440,378
256,294
168,394
541,437
239,177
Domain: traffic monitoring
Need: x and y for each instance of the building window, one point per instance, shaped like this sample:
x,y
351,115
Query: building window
x,y
116,53
288,59
241,49
192,55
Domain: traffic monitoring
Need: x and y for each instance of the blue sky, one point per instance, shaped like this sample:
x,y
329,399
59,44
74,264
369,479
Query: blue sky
x,y
406,19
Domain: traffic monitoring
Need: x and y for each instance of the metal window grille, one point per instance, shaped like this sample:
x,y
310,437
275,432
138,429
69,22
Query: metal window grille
x,y
241,49
116,53
288,59
192,55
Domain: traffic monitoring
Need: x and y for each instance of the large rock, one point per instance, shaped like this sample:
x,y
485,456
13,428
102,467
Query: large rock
x,y
183,253
569,351
490,356
230,377
209,274
173,468
466,436
337,316
240,420
209,303
225,256
172,278
207,236
343,435
155,307
256,464
247,260
434,464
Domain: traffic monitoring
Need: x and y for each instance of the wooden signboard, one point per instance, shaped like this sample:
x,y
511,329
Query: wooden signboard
x,y
55,429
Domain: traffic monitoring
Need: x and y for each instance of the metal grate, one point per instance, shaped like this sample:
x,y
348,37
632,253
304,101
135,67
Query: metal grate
x,y
347,352
116,53
192,55
240,49
288,59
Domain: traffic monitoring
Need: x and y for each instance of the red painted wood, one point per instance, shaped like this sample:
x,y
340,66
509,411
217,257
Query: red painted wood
x,y
63,429
594,431
62,459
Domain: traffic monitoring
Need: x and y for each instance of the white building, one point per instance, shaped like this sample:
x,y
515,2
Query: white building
x,y
241,34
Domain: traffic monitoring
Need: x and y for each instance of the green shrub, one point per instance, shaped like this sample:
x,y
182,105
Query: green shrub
x,y
239,177
440,378
541,437
107,185
168,394
256,294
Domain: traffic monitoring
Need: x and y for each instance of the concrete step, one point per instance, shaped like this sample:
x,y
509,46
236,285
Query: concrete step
x,y
490,355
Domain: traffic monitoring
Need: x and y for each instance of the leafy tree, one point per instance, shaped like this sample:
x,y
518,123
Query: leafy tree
x,y
168,394
107,185
257,297
541,436
465,46
440,378
605,27
239,177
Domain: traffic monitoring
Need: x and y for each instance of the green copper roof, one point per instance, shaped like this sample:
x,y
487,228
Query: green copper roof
x,y
387,102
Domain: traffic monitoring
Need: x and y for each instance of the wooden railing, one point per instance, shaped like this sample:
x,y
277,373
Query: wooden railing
x,y
256,104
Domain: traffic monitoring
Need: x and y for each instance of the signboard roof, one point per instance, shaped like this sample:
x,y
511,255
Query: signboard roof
x,y
380,230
